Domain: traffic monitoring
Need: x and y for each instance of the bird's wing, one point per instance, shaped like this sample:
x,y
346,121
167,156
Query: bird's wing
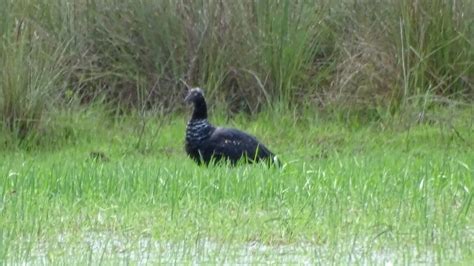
x,y
234,143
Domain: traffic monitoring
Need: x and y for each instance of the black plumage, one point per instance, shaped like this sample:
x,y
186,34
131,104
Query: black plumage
x,y
206,143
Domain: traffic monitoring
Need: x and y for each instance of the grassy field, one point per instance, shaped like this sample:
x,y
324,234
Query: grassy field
x,y
396,192
369,104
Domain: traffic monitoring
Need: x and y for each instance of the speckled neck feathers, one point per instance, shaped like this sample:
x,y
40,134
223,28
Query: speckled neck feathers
x,y
198,127
198,130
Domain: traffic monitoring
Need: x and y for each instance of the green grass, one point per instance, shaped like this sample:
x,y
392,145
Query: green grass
x,y
397,192
368,103
250,55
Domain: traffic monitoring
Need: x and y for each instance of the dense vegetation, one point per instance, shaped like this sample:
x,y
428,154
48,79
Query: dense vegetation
x,y
374,57
368,104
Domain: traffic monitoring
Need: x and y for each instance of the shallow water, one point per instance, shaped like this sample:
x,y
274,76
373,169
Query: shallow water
x,y
108,248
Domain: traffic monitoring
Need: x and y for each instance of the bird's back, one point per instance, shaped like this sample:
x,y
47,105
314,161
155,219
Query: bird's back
x,y
234,144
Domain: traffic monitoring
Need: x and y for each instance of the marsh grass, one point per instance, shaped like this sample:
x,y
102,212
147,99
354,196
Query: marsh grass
x,y
29,79
367,103
368,56
429,40
346,194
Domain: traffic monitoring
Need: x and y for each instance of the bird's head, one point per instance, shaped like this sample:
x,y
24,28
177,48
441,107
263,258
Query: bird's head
x,y
194,95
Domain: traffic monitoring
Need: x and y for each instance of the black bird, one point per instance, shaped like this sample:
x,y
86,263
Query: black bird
x,y
206,143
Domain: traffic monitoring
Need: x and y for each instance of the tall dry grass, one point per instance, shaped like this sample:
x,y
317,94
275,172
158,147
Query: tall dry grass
x,y
248,55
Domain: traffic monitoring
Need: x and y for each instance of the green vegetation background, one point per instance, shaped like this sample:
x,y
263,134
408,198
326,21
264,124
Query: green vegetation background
x,y
368,58
368,103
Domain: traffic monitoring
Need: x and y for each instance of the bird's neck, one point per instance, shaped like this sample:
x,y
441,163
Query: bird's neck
x,y
200,110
